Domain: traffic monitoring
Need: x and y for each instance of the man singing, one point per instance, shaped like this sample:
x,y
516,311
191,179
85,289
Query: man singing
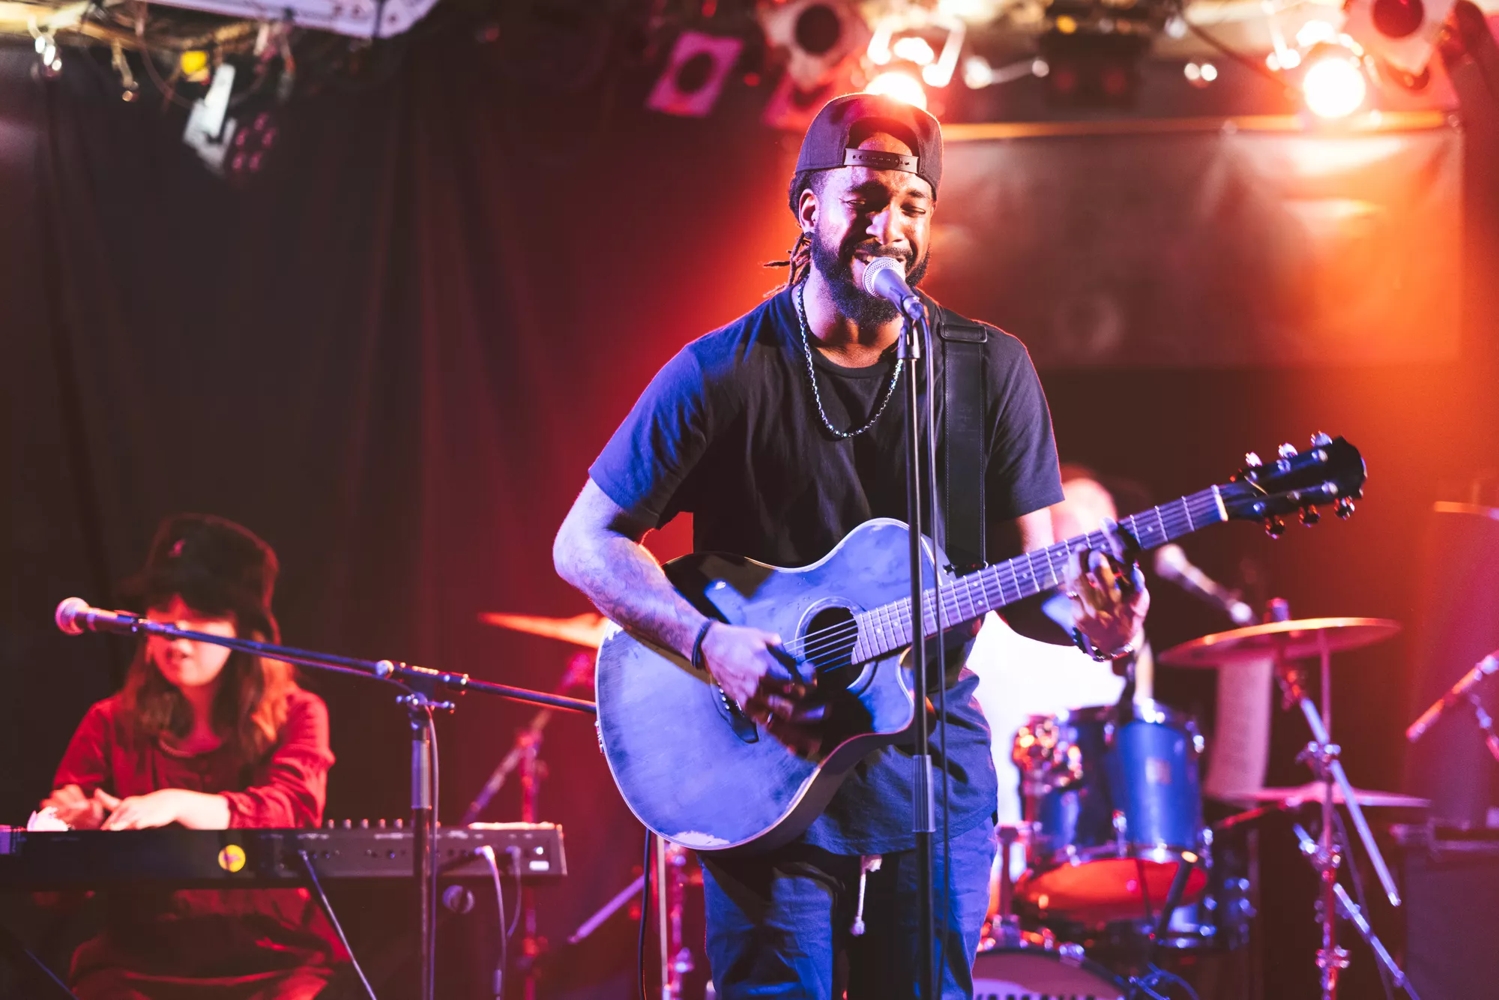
x,y
782,432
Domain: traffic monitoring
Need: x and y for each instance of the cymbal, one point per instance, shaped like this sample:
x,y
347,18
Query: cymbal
x,y
1294,640
1311,793
586,630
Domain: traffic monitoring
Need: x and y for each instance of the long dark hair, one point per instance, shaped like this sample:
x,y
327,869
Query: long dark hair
x,y
248,710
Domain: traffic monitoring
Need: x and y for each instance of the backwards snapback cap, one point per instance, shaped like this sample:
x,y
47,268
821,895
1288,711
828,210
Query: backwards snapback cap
x,y
827,144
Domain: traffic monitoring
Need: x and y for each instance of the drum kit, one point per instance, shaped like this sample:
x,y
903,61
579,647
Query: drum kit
x,y
1120,867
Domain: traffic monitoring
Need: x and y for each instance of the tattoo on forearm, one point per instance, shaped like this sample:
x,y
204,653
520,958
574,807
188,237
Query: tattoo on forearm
x,y
626,583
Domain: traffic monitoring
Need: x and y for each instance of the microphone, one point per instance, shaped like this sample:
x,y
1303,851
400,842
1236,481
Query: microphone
x,y
885,278
75,617
1486,666
1172,564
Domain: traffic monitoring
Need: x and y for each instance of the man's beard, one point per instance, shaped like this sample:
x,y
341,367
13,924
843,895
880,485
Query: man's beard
x,y
837,270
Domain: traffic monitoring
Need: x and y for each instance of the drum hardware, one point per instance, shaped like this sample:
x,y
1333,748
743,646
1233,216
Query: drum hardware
x,y
1302,639
1004,924
1290,798
1354,914
1060,973
524,758
1288,641
587,630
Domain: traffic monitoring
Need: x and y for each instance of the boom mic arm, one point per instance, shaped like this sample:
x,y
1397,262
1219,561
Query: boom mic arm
x,y
1458,693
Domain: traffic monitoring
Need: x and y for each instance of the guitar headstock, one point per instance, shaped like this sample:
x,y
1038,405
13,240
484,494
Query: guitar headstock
x,y
1331,471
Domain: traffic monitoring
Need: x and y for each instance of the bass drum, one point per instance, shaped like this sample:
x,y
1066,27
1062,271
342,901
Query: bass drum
x,y
1025,973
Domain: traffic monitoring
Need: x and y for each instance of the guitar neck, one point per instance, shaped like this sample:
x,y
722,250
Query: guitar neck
x,y
888,628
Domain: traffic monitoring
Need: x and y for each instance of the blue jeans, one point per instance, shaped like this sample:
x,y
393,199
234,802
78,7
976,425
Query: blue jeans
x,y
779,924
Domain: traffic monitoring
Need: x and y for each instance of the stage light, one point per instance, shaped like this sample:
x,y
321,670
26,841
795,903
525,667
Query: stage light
x,y
1284,59
913,49
1333,85
900,85
1314,32
816,35
1200,74
695,74
977,72
911,35
792,109
1402,33
50,62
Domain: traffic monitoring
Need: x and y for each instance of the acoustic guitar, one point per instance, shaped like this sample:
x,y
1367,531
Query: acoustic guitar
x,y
700,773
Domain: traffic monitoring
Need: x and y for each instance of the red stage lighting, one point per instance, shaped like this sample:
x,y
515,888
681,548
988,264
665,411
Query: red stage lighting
x,y
900,85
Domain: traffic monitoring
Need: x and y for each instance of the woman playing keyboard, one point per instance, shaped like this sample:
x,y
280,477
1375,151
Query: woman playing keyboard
x,y
209,739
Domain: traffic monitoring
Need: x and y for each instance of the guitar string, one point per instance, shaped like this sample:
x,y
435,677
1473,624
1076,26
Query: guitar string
x,y
832,638
952,606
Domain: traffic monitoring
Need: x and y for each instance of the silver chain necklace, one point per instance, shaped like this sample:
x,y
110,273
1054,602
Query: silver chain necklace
x,y
889,393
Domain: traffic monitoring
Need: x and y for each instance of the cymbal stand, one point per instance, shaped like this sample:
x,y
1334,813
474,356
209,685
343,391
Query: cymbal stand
x,y
1354,914
1321,754
680,962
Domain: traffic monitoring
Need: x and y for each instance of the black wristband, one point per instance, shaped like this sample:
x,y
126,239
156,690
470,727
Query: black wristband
x,y
697,644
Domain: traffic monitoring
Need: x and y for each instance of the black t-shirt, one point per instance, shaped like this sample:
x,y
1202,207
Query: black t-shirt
x,y
729,430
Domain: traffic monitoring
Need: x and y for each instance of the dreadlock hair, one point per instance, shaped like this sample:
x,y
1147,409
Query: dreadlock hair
x,y
799,258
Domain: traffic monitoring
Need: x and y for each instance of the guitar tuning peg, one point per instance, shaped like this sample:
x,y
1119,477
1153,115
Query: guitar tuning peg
x,y
1321,440
1310,515
1252,460
1286,450
1343,508
1275,526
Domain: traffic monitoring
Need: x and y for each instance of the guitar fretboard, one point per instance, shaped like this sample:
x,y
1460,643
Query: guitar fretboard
x,y
887,628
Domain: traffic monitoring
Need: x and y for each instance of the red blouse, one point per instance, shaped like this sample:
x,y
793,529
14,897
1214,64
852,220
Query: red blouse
x,y
238,943
287,788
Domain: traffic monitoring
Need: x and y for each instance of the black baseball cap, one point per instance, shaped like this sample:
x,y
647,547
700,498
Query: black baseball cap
x,y
827,143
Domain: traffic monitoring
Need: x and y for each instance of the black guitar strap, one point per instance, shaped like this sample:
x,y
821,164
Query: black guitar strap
x,y
965,381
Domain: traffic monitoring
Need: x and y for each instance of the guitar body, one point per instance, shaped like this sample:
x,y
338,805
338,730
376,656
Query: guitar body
x,y
699,773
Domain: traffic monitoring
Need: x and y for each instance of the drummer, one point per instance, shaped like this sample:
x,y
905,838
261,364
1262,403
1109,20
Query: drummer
x,y
1021,677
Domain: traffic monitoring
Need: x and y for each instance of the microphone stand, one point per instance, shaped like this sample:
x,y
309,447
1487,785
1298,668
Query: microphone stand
x,y
424,692
914,346
1466,689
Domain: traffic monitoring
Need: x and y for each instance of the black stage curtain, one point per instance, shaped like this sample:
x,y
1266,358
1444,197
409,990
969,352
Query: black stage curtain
x,y
395,351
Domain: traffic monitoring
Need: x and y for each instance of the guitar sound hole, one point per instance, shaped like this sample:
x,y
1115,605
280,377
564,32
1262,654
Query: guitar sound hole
x,y
827,648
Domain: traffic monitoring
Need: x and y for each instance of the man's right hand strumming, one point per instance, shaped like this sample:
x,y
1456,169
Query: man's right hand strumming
x,y
750,666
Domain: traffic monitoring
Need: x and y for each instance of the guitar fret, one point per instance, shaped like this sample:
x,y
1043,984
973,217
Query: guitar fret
x,y
966,598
